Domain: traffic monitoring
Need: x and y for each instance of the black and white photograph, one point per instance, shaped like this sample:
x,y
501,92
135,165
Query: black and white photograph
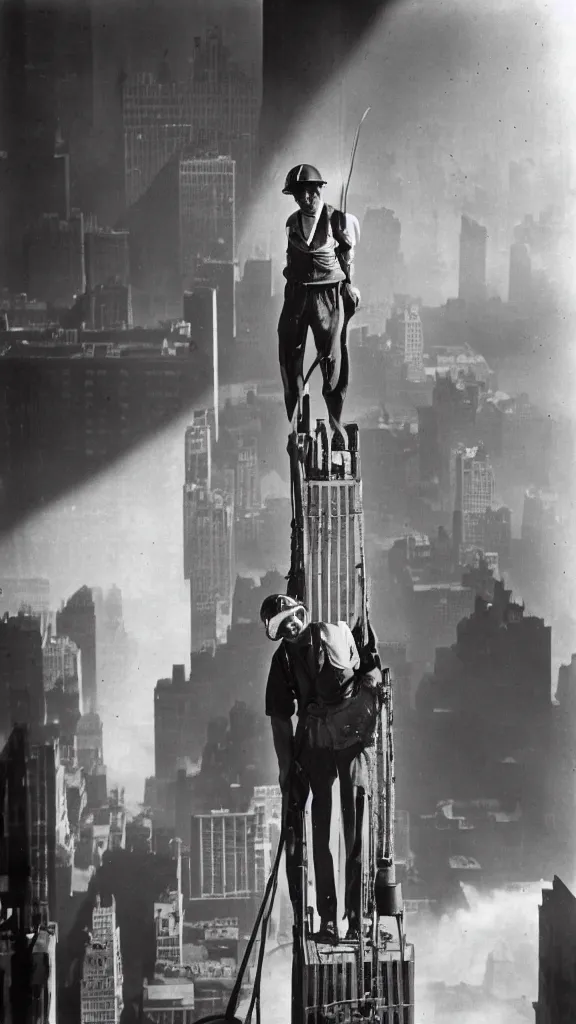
x,y
287,511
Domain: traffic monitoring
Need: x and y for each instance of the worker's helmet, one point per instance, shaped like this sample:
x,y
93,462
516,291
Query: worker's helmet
x,y
278,607
303,174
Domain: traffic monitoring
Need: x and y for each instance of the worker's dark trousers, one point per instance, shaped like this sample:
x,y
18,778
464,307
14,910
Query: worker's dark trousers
x,y
322,308
321,767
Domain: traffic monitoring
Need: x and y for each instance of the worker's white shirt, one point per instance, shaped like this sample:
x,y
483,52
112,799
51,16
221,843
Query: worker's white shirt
x,y
340,646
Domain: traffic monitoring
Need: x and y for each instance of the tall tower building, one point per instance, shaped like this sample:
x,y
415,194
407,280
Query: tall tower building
x,y
62,671
378,260
207,191
472,267
224,855
157,125
101,992
21,679
221,275
556,931
77,620
413,339
55,256
208,538
107,256
200,310
474,495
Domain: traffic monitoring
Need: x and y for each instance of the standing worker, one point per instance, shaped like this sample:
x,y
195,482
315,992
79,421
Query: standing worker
x,y
318,669
318,294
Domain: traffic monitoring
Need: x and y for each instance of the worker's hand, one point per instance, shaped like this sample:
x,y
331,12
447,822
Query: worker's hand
x,y
353,294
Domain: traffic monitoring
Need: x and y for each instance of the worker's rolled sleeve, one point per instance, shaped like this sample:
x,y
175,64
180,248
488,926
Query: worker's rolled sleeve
x,y
280,697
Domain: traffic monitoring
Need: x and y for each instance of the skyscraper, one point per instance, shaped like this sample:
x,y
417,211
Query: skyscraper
x,y
413,339
472,267
378,260
55,259
77,620
200,310
557,949
209,559
107,255
207,191
62,671
208,537
101,992
157,125
221,275
223,855
474,494
21,681
214,109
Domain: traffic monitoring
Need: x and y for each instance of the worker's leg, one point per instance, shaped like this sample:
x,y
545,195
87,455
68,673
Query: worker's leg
x,y
335,399
296,802
327,321
354,782
292,330
322,773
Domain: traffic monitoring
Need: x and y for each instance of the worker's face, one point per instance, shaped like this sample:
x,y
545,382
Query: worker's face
x,y
293,626
308,199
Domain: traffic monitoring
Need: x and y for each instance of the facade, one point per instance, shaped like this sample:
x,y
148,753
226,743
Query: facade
x,y
200,310
71,409
221,275
61,660
21,676
215,109
55,254
110,307
472,268
169,925
77,620
413,339
198,450
90,753
26,595
474,494
207,207
208,539
539,521
224,861
557,956
101,992
107,255
157,125
332,512
378,260
42,1002
170,1003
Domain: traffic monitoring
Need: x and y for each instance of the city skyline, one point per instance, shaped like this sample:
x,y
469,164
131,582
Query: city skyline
x,y
149,502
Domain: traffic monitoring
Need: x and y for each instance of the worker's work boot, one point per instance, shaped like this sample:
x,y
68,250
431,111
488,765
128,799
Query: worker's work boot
x,y
339,436
327,933
353,933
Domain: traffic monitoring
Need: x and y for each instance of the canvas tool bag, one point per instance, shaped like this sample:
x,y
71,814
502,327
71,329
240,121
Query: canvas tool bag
x,y
346,714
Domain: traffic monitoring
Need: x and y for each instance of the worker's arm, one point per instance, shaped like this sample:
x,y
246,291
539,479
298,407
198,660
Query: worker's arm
x,y
280,706
347,234
283,736
287,269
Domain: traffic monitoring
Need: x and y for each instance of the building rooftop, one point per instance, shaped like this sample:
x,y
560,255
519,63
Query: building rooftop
x,y
460,863
445,587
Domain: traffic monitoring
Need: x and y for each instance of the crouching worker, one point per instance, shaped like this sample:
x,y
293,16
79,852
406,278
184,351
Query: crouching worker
x,y
318,671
